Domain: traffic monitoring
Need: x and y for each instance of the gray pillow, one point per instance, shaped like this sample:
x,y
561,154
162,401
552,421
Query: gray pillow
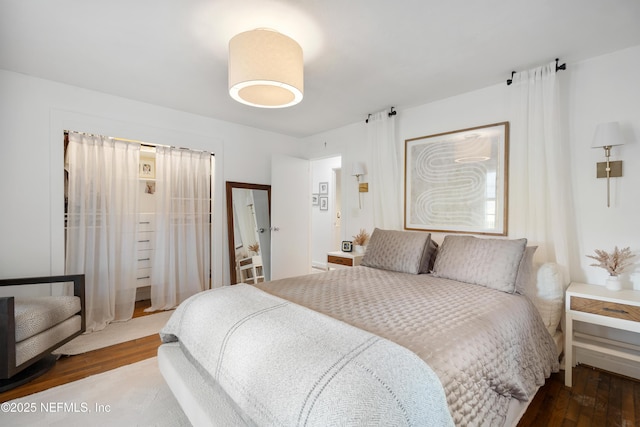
x,y
402,251
526,273
492,263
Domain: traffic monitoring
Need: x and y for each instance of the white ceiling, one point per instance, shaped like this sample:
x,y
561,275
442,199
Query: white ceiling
x,y
361,56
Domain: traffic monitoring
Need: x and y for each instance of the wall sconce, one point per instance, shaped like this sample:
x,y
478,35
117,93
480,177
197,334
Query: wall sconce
x,y
608,135
359,169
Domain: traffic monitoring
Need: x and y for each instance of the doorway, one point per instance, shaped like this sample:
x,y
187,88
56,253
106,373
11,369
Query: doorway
x,y
326,212
132,196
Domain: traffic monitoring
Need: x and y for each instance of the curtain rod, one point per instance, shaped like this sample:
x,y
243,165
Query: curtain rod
x,y
391,113
146,144
558,68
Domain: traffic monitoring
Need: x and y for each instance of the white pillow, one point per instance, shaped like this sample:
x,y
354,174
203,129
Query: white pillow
x,y
547,294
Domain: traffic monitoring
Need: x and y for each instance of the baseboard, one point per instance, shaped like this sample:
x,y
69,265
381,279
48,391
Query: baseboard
x,y
609,363
319,265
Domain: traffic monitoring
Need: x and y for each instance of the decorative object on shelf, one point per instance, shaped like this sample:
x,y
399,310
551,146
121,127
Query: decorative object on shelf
x,y
265,69
347,246
456,182
359,169
360,240
614,262
254,247
608,135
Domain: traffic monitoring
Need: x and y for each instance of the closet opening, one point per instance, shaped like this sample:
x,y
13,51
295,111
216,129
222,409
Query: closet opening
x,y
138,223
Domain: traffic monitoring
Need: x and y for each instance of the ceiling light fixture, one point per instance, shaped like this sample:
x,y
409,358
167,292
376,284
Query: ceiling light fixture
x,y
265,69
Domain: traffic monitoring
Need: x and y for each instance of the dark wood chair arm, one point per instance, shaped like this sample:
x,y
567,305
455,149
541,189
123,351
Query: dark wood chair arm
x,y
78,287
8,368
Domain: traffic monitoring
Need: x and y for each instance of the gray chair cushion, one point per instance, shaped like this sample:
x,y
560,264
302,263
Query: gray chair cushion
x,y
35,345
36,314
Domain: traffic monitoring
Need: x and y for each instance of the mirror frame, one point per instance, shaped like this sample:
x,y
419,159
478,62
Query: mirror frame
x,y
230,226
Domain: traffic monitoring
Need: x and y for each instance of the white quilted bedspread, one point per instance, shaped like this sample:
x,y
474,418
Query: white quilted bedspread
x,y
285,365
485,346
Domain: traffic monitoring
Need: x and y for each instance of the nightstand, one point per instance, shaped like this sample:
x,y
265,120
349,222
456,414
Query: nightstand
x,y
600,306
339,259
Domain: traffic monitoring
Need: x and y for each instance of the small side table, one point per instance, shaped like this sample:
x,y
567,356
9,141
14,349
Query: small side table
x,y
599,306
339,259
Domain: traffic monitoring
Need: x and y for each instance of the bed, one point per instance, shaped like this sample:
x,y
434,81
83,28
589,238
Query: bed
x,y
463,334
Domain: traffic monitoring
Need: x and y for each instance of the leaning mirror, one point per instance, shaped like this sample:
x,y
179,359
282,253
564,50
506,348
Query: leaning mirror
x,y
249,231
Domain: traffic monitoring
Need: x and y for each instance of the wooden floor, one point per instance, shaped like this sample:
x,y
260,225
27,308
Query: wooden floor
x,y
596,399
73,368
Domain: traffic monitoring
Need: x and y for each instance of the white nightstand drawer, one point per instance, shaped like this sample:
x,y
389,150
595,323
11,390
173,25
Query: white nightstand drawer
x,y
597,305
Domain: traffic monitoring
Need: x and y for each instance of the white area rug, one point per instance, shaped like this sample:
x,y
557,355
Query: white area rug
x,y
133,395
116,333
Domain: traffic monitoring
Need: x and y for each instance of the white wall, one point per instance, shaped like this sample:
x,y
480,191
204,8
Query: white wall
x,y
349,142
598,90
605,89
33,115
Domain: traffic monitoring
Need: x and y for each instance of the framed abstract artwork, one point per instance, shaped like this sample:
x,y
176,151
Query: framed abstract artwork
x,y
456,182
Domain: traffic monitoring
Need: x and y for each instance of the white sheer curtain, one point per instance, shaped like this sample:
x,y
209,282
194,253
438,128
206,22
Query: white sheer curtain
x,y
181,264
386,190
102,224
540,176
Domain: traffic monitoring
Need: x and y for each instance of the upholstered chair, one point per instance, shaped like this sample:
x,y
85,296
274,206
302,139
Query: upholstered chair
x,y
33,327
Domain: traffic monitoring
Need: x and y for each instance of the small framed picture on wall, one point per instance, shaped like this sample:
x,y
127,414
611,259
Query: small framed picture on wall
x,y
323,188
324,203
147,168
315,199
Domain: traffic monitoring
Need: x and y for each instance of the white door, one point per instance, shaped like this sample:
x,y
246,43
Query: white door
x,y
290,217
